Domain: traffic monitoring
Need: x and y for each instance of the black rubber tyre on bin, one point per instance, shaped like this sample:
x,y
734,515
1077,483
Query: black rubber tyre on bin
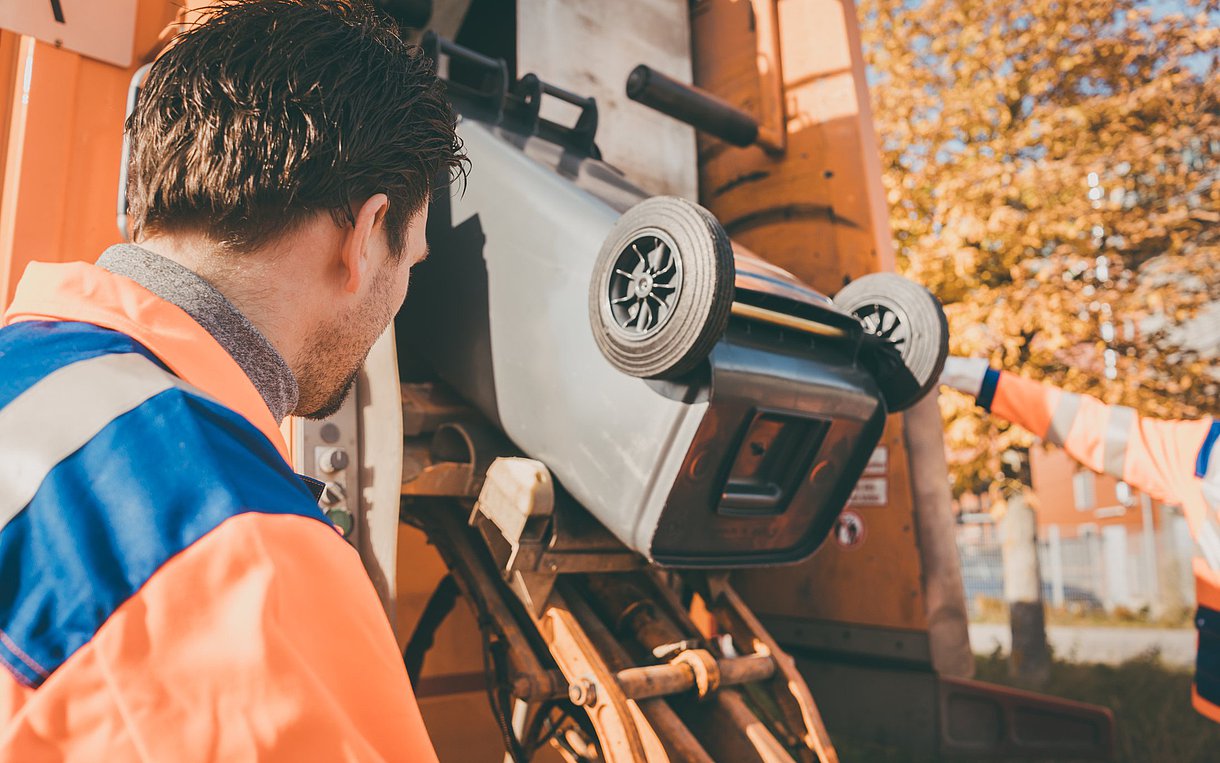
x,y
662,288
912,320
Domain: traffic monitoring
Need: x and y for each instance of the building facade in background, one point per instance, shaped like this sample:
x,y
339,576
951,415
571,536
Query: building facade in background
x,y
1103,546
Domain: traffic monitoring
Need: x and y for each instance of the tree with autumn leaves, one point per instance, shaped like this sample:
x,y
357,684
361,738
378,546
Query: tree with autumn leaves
x,y
1052,172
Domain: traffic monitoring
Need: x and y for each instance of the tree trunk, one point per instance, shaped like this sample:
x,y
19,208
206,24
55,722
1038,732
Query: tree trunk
x,y
1170,600
1030,662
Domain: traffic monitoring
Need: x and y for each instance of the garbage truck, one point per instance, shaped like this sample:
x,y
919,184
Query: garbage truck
x,y
613,424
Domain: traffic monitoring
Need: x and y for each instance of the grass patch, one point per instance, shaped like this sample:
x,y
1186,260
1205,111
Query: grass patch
x,y
989,610
1153,717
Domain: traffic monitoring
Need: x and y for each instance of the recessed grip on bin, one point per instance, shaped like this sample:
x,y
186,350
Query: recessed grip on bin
x,y
691,105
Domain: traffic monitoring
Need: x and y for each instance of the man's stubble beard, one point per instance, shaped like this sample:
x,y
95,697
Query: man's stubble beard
x,y
329,358
336,401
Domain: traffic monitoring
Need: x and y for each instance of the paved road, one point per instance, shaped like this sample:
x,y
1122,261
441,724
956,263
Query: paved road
x,y
1096,644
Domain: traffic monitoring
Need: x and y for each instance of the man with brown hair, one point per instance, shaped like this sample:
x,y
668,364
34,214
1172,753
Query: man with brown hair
x,y
169,589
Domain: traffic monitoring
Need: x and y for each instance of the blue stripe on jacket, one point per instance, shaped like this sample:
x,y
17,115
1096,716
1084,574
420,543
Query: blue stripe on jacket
x,y
1205,452
991,379
147,486
32,349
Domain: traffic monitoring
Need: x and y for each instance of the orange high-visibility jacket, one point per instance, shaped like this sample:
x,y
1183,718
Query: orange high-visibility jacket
x,y
1176,462
169,590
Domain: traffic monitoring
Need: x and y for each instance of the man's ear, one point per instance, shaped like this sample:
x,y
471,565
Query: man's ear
x,y
359,256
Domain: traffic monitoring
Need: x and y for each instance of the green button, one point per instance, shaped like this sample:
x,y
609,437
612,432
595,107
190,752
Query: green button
x,y
343,520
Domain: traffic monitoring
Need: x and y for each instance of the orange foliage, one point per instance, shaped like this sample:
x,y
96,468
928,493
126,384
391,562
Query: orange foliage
x,y
1051,167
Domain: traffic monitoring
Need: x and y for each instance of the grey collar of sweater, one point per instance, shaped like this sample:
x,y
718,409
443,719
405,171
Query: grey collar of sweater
x,y
234,332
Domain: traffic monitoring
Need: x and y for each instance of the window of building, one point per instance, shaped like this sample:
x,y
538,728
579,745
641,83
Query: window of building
x,y
1124,493
1083,491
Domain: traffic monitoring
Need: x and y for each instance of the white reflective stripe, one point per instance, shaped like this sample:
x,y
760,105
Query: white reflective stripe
x,y
1209,543
64,410
1211,495
1061,422
1211,488
1118,432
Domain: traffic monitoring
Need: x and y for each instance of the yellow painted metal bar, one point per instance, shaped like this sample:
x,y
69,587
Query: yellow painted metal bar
x,y
762,314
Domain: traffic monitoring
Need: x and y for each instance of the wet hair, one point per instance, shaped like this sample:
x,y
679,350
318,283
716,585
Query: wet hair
x,y
270,111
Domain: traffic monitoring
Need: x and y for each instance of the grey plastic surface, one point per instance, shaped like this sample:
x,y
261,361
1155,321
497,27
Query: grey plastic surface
x,y
613,441
499,312
762,374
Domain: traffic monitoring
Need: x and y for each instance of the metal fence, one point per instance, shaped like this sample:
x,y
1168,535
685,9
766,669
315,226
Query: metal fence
x,y
1110,569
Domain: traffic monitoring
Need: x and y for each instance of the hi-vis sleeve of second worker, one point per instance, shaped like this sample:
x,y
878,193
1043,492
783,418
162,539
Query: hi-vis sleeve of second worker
x,y
1175,461
1154,456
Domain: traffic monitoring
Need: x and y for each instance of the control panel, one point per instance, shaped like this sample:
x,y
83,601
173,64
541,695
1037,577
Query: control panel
x,y
327,450
356,454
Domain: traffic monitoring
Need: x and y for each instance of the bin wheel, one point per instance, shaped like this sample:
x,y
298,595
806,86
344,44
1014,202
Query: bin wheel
x,y
662,288
908,318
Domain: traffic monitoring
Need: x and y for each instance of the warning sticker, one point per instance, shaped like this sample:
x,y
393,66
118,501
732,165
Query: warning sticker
x,y
849,529
870,491
878,463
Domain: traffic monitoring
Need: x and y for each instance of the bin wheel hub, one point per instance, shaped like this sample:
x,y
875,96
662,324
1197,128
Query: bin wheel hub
x,y
645,286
